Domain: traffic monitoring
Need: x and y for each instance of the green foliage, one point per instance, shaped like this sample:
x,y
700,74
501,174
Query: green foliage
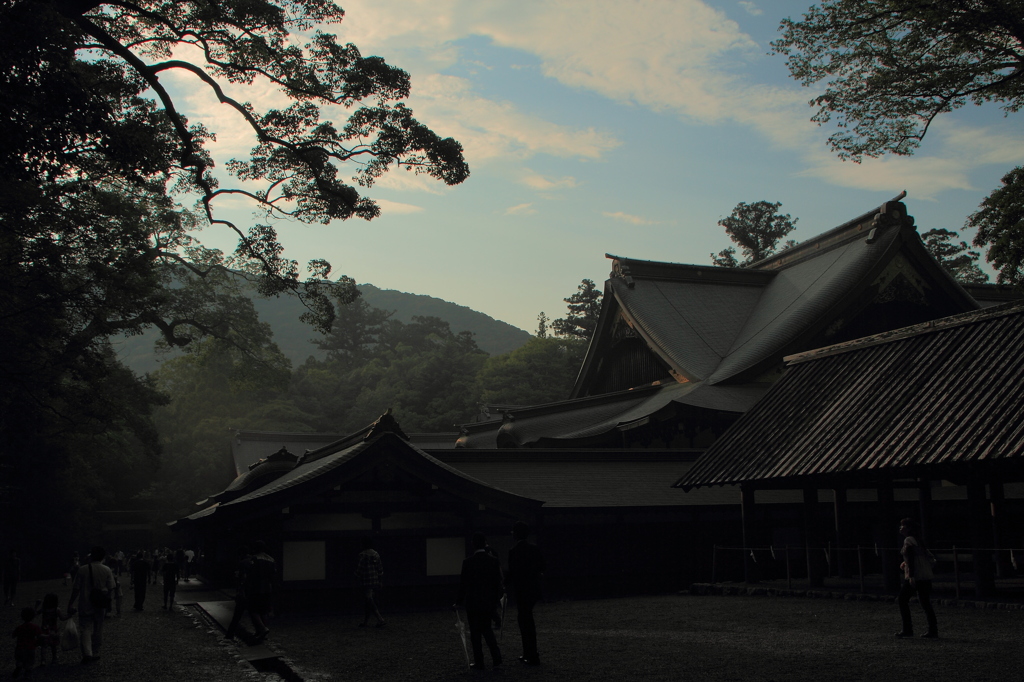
x,y
96,161
542,325
214,388
583,310
1000,224
757,229
954,257
891,66
542,371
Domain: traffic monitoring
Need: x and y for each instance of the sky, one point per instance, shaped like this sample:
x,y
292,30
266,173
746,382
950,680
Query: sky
x,y
595,127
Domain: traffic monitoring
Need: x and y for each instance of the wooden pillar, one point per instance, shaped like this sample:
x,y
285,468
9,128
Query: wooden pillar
x,y
998,503
844,559
981,538
747,514
812,538
924,503
888,537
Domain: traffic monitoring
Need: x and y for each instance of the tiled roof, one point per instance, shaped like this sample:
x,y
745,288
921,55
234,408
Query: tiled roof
x,y
572,420
629,479
934,399
312,474
248,447
723,325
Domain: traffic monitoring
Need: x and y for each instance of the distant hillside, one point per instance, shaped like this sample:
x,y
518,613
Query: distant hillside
x,y
294,338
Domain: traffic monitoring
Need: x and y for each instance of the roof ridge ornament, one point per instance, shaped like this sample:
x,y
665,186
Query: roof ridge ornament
x,y
386,423
281,455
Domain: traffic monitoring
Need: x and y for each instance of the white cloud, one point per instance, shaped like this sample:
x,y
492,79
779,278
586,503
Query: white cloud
x,y
520,209
491,129
631,219
396,207
544,183
751,8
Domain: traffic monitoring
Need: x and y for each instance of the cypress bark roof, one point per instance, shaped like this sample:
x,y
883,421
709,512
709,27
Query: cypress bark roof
x,y
942,399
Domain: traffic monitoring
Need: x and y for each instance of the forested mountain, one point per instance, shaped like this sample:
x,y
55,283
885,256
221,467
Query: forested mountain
x,y
295,339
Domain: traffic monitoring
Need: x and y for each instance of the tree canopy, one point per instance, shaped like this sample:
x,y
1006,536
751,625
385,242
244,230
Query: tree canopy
x,y
107,184
999,222
891,66
954,256
757,229
584,307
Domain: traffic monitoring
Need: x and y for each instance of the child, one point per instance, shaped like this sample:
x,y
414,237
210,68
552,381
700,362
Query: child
x,y
51,619
27,635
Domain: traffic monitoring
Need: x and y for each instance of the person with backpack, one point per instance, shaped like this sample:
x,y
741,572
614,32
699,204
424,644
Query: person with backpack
x,y
917,577
93,585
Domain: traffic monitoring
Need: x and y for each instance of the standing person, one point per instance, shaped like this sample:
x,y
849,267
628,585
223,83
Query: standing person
x,y
118,563
917,577
118,595
525,568
140,578
259,588
12,574
158,560
52,616
480,590
241,602
189,566
27,637
369,573
92,587
170,575
179,558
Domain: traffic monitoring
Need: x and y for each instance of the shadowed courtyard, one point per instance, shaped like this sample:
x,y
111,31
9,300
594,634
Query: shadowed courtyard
x,y
669,637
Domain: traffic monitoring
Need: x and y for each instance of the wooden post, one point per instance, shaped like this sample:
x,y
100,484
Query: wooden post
x,y
956,570
747,514
840,512
860,568
889,525
998,502
981,538
924,504
789,571
812,537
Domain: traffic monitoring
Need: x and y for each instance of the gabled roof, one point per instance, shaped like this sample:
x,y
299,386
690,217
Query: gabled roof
x,y
248,447
941,399
575,421
322,470
726,325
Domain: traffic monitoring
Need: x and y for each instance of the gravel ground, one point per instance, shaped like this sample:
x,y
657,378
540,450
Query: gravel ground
x,y
147,646
644,639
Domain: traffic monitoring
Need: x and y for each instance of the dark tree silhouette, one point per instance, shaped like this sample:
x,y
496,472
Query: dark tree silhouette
x,y
756,228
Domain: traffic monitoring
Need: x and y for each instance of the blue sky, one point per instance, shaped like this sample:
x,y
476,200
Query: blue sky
x,y
598,127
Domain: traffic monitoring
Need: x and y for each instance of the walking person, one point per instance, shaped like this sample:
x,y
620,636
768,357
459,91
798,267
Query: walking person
x,y
241,602
92,588
480,591
170,574
917,577
525,569
27,638
140,578
52,617
259,588
370,573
